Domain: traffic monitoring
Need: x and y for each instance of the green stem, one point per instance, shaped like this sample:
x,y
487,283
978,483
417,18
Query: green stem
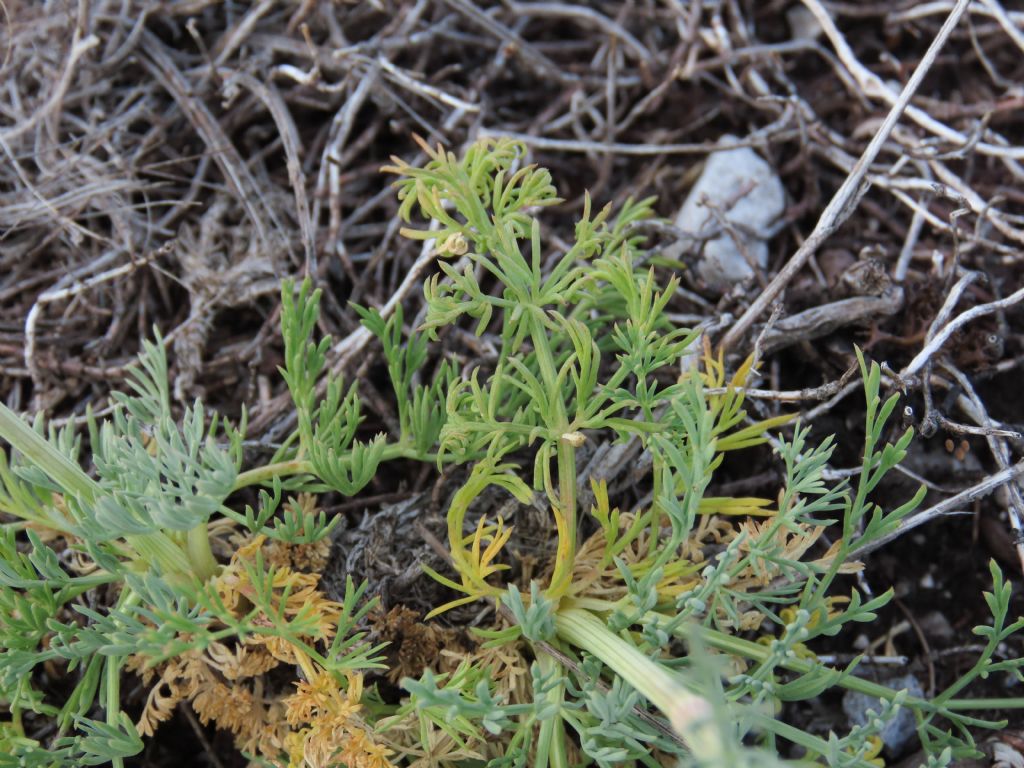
x,y
691,715
561,579
757,652
64,472
551,739
204,564
548,373
813,744
82,584
656,514
964,680
82,697
112,701
112,675
971,704
158,548
263,475
558,424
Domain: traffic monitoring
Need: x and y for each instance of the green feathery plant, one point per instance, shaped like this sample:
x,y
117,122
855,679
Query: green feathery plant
x,y
138,531
586,350
630,614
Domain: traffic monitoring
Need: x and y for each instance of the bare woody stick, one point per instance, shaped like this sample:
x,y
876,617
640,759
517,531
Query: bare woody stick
x,y
846,197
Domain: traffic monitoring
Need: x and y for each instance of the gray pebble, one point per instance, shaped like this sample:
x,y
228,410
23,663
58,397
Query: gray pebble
x,y
900,731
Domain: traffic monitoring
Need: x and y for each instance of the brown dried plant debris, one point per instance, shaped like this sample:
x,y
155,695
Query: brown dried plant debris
x,y
238,704
327,728
414,645
315,724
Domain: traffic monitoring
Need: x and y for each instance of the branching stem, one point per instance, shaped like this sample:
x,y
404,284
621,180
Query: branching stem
x,y
263,475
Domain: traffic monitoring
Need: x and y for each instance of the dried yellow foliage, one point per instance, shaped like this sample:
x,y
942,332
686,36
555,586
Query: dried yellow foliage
x,y
315,725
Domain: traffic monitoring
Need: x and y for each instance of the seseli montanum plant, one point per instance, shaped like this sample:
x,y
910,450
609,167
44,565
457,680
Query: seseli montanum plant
x,y
671,634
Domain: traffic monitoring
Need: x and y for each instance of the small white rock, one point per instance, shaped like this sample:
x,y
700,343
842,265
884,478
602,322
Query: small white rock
x,y
802,24
749,196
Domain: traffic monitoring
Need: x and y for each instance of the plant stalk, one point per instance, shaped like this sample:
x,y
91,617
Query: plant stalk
x,y
551,739
265,474
558,424
691,715
756,652
204,565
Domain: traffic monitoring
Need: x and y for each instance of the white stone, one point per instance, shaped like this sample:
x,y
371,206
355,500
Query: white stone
x,y
749,196
802,23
